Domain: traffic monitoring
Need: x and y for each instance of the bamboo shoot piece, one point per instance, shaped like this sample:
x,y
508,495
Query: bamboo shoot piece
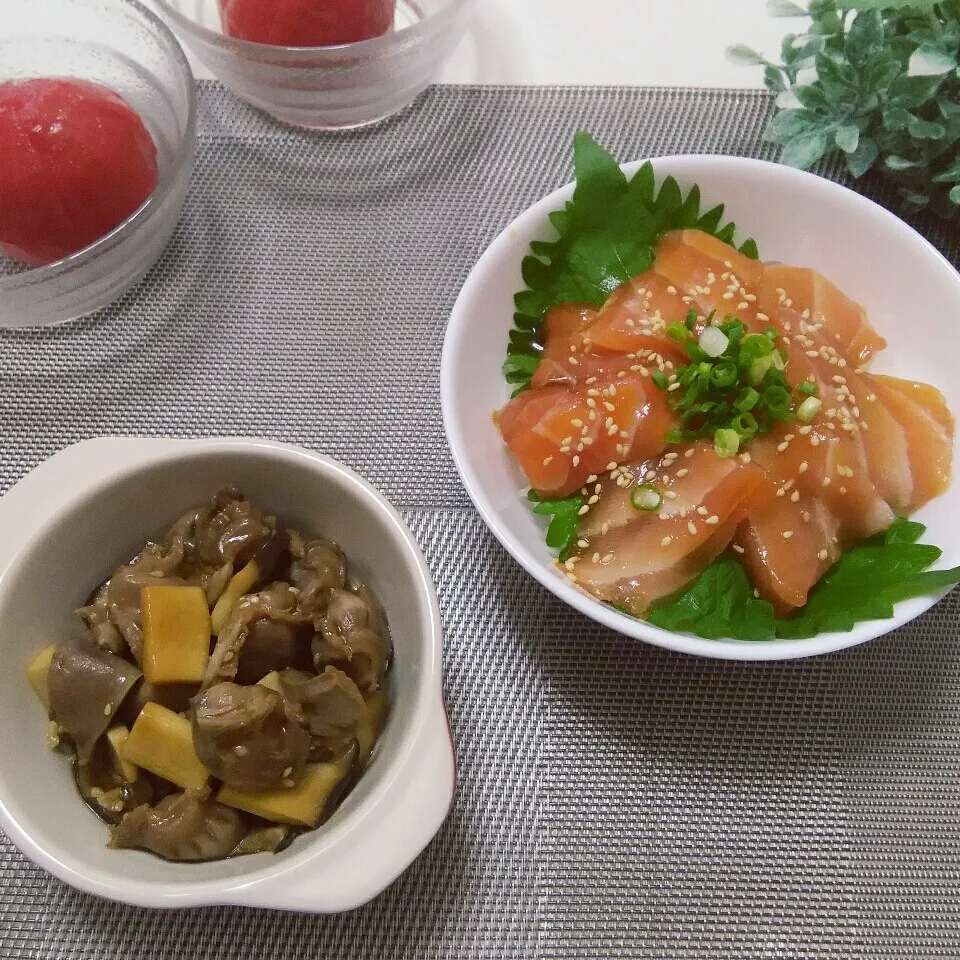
x,y
37,671
303,803
161,741
372,724
272,682
116,737
176,634
240,583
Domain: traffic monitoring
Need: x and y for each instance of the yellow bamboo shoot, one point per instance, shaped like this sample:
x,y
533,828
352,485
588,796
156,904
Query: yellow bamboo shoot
x,y
37,670
161,741
302,803
176,634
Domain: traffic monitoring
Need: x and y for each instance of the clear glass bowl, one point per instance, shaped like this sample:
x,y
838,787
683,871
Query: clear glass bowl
x,y
127,48
327,88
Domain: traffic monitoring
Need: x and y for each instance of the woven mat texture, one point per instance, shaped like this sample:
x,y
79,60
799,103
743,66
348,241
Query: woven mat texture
x,y
616,800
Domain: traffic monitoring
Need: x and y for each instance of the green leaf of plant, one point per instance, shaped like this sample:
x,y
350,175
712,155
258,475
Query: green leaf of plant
x,y
863,158
925,129
773,78
720,603
847,138
865,36
789,123
931,61
805,149
863,585
911,92
744,56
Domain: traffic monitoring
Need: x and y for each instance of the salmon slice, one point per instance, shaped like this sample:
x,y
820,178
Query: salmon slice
x,y
638,560
710,275
845,324
929,398
563,327
786,547
922,413
869,463
560,436
538,427
635,316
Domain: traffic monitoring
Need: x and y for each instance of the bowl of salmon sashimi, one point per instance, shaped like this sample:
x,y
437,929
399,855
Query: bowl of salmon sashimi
x,y
734,441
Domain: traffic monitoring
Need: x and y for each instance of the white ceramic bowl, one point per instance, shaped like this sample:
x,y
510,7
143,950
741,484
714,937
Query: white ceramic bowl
x,y
89,508
911,293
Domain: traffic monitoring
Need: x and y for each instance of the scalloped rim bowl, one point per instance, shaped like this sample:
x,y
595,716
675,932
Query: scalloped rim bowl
x,y
910,291
91,507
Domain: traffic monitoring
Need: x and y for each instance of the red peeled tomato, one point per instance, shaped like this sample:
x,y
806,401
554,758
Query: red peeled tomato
x,y
75,162
306,23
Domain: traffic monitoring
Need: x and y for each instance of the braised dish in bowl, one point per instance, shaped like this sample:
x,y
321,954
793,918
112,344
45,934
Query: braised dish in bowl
x,y
250,698
226,689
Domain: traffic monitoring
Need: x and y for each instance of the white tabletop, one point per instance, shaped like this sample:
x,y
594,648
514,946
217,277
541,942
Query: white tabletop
x,y
632,42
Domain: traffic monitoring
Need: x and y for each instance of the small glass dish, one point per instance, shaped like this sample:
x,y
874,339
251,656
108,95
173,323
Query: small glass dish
x,y
125,47
327,88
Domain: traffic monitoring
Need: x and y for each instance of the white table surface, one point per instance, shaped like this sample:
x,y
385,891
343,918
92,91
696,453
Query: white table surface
x,y
632,42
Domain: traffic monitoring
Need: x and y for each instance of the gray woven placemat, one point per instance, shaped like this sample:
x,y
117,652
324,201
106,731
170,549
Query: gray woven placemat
x,y
616,800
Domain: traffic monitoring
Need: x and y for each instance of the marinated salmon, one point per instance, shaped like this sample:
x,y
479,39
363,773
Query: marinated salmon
x,y
802,490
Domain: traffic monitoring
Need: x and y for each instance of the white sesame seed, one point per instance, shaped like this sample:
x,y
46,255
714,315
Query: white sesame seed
x,y
612,465
670,494
583,544
804,466
612,430
780,492
782,446
606,558
737,547
805,429
703,511
692,527
595,558
672,387
843,490
666,541
593,500
682,472
584,509
806,516
689,452
795,496
822,555
826,482
712,520
547,461
576,460
787,534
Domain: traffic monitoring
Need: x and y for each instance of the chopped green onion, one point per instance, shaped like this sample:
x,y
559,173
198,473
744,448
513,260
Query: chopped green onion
x,y
678,332
674,436
809,409
713,341
646,497
755,345
777,400
660,379
777,361
726,442
747,399
691,320
745,425
808,388
724,374
758,370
